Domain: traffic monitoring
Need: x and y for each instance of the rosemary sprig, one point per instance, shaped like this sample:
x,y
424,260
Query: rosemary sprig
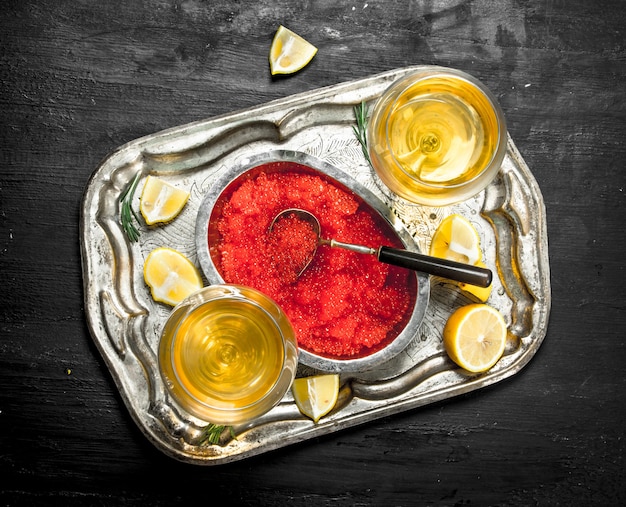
x,y
360,130
127,212
211,433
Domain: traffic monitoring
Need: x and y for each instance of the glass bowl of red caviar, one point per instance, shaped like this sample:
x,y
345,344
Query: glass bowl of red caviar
x,y
349,312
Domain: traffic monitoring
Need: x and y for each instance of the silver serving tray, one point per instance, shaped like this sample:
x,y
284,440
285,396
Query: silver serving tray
x,y
125,322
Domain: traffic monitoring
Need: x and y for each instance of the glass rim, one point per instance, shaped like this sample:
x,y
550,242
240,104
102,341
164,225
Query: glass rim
x,y
498,154
234,292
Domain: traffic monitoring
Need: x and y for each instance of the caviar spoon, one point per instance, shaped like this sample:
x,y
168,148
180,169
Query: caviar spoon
x,y
289,220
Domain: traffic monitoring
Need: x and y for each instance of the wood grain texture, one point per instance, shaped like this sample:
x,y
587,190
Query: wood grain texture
x,y
80,78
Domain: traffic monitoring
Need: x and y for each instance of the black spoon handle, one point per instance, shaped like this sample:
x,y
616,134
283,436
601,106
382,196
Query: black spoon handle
x,y
444,268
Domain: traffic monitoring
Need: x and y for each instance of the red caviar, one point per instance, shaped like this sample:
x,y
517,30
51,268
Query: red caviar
x,y
292,243
345,304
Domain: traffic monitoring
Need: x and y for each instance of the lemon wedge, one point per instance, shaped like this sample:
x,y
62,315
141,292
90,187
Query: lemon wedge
x,y
160,201
289,52
170,275
317,395
479,293
474,337
457,240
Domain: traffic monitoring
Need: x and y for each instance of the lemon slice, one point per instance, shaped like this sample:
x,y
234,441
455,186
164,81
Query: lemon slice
x,y
160,201
170,275
474,337
289,52
316,396
480,293
457,240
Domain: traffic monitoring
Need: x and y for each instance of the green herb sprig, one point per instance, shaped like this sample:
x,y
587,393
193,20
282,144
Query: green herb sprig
x,y
360,130
211,433
127,213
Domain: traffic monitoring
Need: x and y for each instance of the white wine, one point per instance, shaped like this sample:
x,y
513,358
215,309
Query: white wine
x,y
438,137
433,137
223,357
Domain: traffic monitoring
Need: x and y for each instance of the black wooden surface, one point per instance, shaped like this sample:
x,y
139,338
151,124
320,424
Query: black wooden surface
x,y
80,78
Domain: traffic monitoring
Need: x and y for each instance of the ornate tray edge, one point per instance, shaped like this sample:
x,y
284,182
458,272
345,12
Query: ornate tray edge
x,y
125,154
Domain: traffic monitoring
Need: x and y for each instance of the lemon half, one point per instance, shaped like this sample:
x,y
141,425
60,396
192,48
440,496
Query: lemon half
x,y
289,52
474,337
170,275
160,201
317,395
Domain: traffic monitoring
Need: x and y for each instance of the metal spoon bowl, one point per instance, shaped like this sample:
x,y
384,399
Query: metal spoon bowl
x,y
444,268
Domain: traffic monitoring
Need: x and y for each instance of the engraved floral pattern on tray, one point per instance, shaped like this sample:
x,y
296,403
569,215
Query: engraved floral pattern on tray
x,y
125,322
